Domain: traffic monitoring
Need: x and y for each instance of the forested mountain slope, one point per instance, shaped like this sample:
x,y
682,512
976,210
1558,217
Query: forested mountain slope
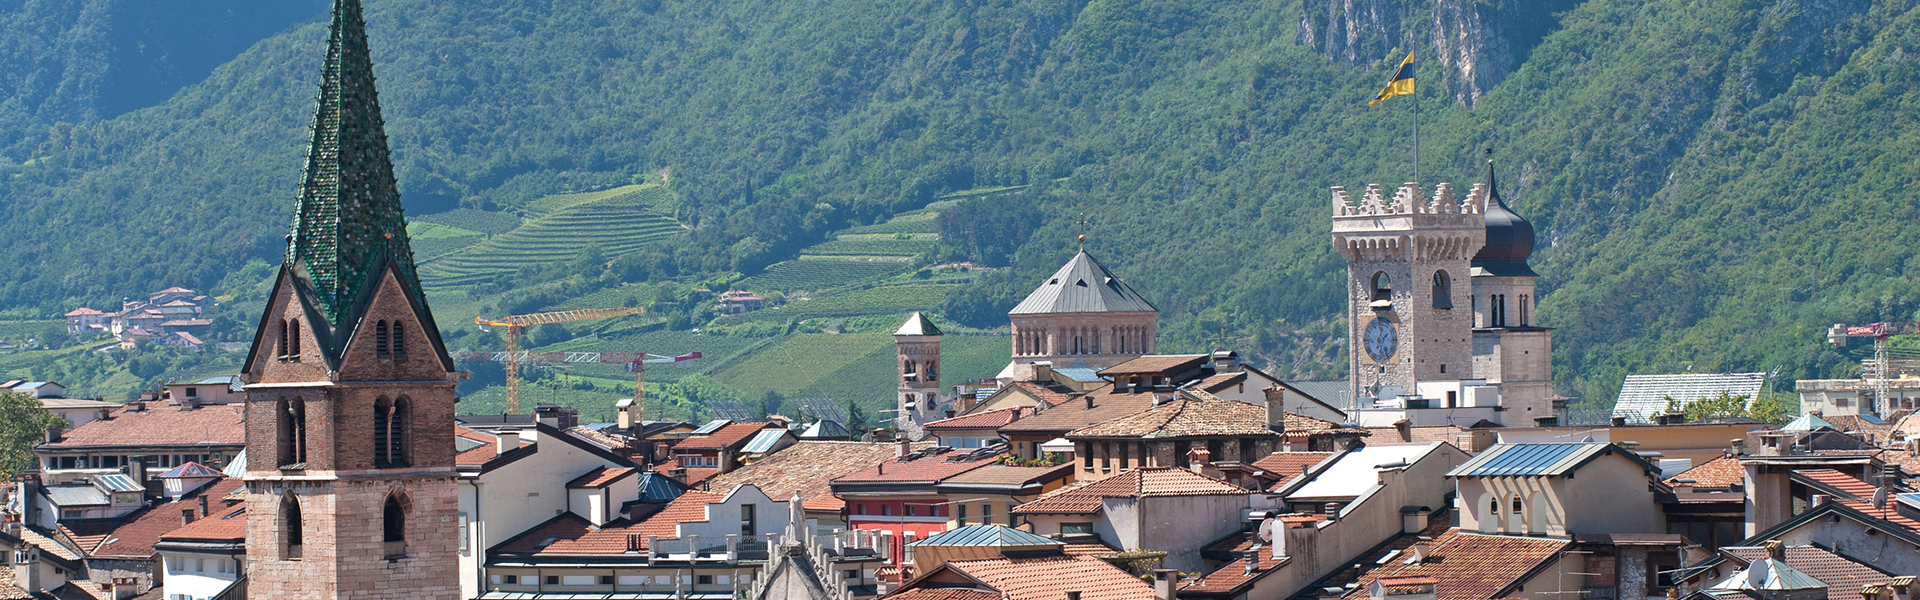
x,y
1713,181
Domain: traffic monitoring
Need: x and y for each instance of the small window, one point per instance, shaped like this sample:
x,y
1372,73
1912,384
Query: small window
x,y
960,513
399,341
382,345
1517,505
553,580
513,580
1382,286
1493,506
706,580
606,580
747,525
886,510
986,513
1076,528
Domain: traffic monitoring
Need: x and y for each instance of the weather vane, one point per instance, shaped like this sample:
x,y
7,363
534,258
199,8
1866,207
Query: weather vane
x,y
1085,226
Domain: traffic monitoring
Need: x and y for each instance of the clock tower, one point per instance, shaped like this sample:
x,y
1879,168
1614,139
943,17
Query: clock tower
x,y
1409,298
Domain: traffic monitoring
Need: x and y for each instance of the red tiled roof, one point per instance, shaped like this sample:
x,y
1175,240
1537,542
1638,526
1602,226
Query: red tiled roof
x,y
945,594
1862,490
1070,413
599,477
1288,464
1050,578
932,467
83,312
136,536
1720,473
1843,577
160,425
481,455
727,437
1137,483
7,590
1229,578
1467,566
226,526
1091,548
695,476
993,419
1195,414
1155,363
807,467
572,535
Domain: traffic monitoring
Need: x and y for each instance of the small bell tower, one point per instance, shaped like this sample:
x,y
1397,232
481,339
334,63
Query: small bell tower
x,y
918,345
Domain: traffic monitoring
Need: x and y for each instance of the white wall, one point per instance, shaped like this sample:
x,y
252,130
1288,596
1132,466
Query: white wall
x,y
508,501
1178,525
197,575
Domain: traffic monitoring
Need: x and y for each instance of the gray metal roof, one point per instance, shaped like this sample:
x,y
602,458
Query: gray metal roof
x,y
1333,393
1645,395
712,426
986,535
76,495
116,482
1082,285
820,430
1081,374
1808,422
1514,460
917,325
1770,574
655,487
237,468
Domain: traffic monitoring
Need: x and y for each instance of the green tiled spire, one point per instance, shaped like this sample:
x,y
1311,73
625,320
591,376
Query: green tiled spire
x,y
349,212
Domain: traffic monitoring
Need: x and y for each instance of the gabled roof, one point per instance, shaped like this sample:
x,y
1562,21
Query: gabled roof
x,y
569,534
601,477
1842,576
993,419
1468,566
825,430
1143,482
1720,472
765,440
1047,578
136,535
656,487
1552,460
927,469
1770,575
917,324
733,434
1858,495
1809,422
1194,414
191,470
1644,395
1071,412
986,535
229,525
1082,285
1355,471
1158,363
806,468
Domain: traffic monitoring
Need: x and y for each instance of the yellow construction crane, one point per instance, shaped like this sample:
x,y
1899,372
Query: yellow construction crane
x,y
516,325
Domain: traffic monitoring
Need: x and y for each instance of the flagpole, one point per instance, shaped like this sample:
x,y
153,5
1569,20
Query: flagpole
x,y
1416,126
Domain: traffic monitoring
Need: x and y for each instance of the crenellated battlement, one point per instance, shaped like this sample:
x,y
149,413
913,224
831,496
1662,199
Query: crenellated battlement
x,y
1407,201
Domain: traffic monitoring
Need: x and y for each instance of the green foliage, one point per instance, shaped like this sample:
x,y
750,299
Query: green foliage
x,y
896,299
987,231
816,274
23,423
1771,408
482,221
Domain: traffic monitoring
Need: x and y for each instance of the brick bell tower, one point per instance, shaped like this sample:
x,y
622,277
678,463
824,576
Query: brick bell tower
x,y
350,476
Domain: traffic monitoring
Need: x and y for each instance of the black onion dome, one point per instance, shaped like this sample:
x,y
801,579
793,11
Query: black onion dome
x,y
1509,236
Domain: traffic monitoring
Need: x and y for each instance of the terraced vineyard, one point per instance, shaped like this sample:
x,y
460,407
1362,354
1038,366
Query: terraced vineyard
x,y
822,273
619,223
474,220
871,247
801,361
900,225
897,299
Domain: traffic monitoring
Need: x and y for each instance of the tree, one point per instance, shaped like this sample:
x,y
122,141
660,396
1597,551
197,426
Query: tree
x,y
1771,409
770,403
23,423
856,418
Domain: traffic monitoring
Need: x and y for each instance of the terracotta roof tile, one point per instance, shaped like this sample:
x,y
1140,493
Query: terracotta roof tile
x,y
1288,464
1862,490
1230,577
599,438
1091,548
160,425
1157,363
569,534
600,477
1843,577
479,455
226,526
823,503
806,467
727,437
1297,423
1467,566
931,467
1195,414
945,594
135,536
7,590
993,419
1070,413
695,476
1141,482
1720,473
1050,578
1009,475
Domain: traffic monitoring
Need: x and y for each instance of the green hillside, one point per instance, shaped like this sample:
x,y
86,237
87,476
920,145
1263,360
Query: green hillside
x,y
1713,182
618,221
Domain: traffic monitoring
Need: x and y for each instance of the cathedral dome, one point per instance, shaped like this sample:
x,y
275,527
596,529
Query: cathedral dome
x,y
1509,237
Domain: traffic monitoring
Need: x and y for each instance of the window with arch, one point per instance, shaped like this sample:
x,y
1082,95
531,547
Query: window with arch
x,y
1497,310
910,370
382,346
1382,286
394,526
390,420
399,341
1442,290
933,371
290,528
291,418
289,340
1524,300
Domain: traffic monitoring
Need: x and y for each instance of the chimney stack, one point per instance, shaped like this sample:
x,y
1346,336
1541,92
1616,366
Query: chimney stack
x,y
53,432
1777,551
1089,398
1166,583
505,441
902,448
1043,370
1252,559
1738,446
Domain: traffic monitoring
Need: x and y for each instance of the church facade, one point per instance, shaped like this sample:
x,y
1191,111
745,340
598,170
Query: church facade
x,y
350,392
1440,306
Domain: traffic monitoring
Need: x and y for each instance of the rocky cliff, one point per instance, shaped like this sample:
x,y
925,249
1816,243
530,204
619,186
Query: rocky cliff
x,y
1478,43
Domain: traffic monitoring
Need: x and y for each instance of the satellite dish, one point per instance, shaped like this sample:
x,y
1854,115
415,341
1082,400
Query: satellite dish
x,y
1266,530
1880,498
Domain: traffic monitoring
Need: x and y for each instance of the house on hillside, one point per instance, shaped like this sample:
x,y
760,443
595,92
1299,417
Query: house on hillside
x,y
736,302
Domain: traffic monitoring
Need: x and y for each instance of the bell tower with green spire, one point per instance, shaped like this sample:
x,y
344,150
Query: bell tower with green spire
x,y
350,473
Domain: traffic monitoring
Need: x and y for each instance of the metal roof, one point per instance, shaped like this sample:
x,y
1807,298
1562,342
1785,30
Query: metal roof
x,y
1644,395
917,325
825,430
1770,574
1082,285
986,535
116,482
1512,460
764,441
1353,473
1331,393
1081,374
76,495
237,468
655,487
712,426
1809,422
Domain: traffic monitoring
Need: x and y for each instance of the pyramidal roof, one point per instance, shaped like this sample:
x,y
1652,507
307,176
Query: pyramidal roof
x,y
1083,285
917,324
348,222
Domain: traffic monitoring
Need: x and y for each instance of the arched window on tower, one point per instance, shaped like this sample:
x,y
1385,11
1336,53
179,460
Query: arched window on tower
x,y
381,346
291,417
1442,290
394,527
399,341
1523,310
908,372
290,341
390,433
291,532
933,371
1382,286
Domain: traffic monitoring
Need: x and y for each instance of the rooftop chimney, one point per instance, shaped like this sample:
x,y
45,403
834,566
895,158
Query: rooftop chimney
x,y
1166,582
505,441
1252,559
902,448
1777,550
1738,446
1043,370
53,432
1089,398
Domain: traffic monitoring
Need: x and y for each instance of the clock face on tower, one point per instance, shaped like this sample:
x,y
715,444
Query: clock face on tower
x,y
1380,339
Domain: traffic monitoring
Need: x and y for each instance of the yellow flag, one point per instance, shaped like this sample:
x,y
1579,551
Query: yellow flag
x,y
1400,85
